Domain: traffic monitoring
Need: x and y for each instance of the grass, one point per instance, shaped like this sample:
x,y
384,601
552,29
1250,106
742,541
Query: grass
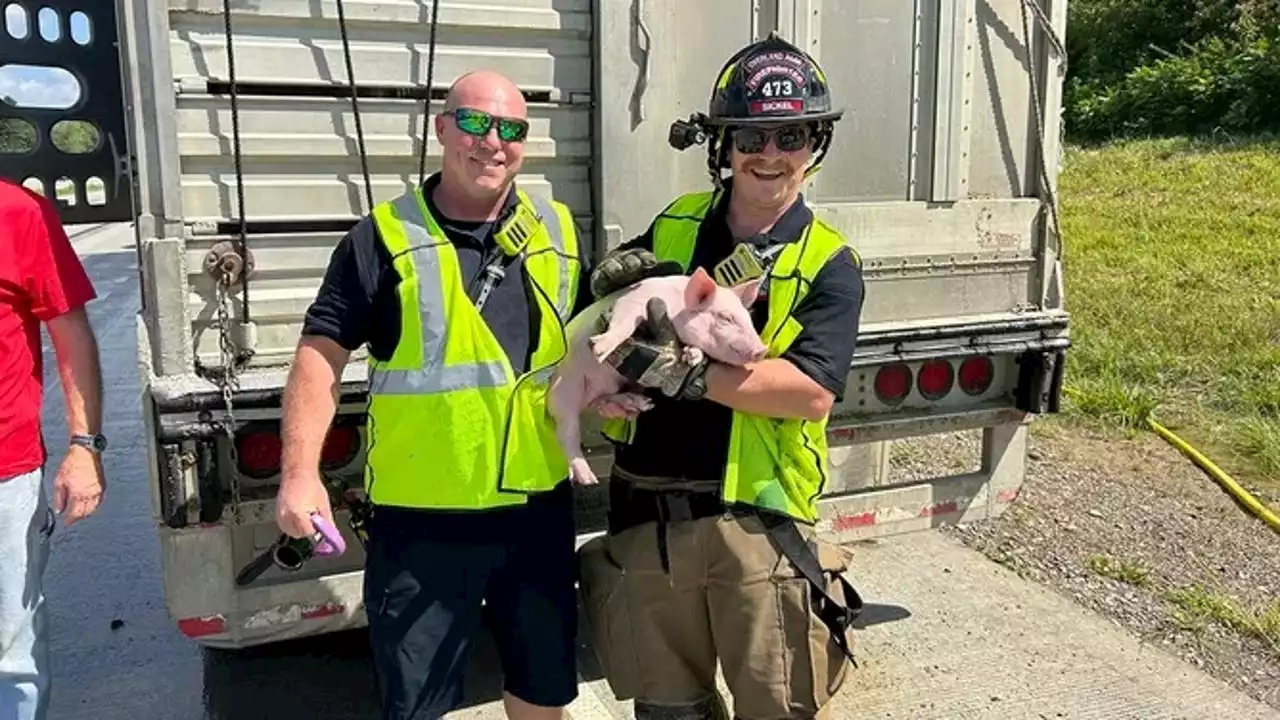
x,y
1173,280
1195,607
1126,571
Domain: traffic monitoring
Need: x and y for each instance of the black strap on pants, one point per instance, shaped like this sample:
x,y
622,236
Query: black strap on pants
x,y
630,506
835,616
662,507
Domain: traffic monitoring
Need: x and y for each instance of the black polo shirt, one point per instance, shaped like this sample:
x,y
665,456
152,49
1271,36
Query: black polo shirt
x,y
689,439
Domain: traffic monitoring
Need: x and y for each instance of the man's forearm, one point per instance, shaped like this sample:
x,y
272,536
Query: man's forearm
x,y
79,370
774,388
310,400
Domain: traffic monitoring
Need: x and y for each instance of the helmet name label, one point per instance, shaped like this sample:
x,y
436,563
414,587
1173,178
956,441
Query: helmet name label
x,y
768,106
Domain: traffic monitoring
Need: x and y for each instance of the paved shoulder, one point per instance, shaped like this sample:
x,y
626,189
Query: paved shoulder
x,y
98,238
980,642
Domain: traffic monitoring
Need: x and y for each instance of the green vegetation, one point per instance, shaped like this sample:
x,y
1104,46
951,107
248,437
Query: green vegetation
x,y
1132,572
75,137
16,136
1195,607
1174,244
1164,67
1173,280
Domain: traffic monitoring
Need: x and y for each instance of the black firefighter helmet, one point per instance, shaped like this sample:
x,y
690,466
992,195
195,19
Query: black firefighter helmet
x,y
767,82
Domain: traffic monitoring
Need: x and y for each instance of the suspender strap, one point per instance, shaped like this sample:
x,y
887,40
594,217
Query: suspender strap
x,y
835,616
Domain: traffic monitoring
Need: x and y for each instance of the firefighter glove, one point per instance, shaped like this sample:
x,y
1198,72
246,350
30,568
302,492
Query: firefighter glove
x,y
627,267
653,357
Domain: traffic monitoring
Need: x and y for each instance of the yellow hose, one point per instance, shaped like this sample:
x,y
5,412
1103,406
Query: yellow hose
x,y
1225,480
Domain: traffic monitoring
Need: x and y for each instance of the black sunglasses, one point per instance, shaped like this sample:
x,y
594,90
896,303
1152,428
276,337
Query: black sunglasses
x,y
789,138
478,123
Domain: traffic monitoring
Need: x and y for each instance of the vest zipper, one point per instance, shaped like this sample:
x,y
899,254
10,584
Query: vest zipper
x,y
506,430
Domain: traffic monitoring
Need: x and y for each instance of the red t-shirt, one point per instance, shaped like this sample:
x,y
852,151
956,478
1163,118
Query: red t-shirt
x,y
40,278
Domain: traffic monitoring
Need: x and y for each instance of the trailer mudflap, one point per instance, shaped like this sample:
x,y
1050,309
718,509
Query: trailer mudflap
x,y
1039,388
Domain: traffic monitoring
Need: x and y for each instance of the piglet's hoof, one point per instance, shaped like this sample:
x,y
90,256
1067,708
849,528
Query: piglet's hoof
x,y
580,472
632,403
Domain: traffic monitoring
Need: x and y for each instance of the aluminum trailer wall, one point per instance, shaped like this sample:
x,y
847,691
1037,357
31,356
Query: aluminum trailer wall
x,y
933,173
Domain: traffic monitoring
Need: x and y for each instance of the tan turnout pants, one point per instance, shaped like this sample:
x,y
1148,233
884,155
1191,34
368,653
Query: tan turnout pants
x,y
729,595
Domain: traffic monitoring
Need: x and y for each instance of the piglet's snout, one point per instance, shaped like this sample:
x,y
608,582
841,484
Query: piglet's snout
x,y
750,351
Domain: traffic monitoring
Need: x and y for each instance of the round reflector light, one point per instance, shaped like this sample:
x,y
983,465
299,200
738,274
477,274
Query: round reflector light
x,y
935,380
259,453
976,374
340,446
893,382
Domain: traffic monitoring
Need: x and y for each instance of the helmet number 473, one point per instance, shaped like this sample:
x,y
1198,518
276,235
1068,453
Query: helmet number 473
x,y
776,87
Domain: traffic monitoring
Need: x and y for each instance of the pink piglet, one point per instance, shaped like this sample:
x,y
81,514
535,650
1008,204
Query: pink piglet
x,y
707,319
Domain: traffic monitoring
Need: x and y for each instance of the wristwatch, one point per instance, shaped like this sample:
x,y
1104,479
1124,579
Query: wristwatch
x,y
95,443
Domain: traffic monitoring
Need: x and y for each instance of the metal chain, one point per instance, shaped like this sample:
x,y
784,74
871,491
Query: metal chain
x,y
228,382
242,247
224,278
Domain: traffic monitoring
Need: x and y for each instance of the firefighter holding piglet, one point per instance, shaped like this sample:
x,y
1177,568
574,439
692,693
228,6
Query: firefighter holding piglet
x,y
710,553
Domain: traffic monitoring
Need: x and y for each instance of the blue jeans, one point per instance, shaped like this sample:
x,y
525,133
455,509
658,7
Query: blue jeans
x,y
26,522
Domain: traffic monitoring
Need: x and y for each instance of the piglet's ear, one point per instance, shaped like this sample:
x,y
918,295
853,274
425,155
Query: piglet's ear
x,y
748,291
700,290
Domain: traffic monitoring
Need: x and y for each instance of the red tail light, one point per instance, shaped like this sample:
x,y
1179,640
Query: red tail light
x,y
259,453
893,382
935,381
976,374
340,446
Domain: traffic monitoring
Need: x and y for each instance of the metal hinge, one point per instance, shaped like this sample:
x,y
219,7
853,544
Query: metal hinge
x,y
190,86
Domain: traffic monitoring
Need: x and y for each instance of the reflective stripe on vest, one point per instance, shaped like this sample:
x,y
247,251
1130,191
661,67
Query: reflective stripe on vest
x,y
435,376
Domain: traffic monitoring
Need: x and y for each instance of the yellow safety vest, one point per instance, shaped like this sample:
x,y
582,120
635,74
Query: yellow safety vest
x,y
774,464
450,424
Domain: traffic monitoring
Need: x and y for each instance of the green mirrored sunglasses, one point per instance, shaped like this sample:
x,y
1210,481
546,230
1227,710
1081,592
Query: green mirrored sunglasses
x,y
479,122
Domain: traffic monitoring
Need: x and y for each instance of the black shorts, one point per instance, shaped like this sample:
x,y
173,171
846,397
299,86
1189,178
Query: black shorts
x,y
425,577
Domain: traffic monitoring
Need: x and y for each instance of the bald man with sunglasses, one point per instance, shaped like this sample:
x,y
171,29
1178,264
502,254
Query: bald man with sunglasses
x,y
460,289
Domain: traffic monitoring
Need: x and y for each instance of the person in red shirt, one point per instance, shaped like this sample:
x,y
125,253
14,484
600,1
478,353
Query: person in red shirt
x,y
41,281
